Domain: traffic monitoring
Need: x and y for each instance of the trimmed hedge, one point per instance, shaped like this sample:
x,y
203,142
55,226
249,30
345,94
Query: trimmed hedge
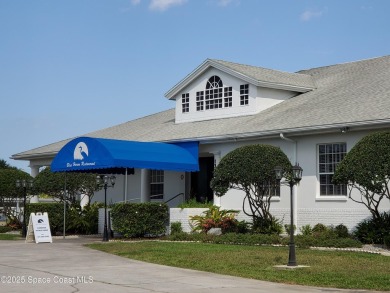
x,y
5,229
78,221
325,241
264,239
140,219
55,212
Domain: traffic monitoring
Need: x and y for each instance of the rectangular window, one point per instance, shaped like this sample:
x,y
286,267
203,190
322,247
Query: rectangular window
x,y
156,184
185,102
329,155
200,101
244,94
227,97
213,98
270,190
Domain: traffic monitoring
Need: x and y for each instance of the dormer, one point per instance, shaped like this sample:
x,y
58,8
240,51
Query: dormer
x,y
219,89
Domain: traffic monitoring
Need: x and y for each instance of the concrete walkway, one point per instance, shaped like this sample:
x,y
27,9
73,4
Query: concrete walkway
x,y
67,266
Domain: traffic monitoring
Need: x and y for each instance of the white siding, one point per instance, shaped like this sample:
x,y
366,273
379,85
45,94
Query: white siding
x,y
259,99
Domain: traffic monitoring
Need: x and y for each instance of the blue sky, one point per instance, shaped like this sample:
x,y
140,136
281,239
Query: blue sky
x,y
71,67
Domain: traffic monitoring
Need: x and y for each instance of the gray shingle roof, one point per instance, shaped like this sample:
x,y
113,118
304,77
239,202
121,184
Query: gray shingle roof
x,y
270,76
258,76
356,93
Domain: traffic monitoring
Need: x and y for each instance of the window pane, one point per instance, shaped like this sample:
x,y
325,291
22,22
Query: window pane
x,y
329,155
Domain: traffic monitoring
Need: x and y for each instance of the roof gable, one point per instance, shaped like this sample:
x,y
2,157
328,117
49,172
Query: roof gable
x,y
257,76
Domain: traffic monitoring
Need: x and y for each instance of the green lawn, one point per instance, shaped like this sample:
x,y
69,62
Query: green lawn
x,y
4,236
337,269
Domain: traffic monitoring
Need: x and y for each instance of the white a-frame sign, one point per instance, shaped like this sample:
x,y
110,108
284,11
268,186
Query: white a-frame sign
x,y
39,228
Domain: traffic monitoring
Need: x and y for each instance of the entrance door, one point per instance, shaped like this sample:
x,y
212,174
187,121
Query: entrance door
x,y
200,181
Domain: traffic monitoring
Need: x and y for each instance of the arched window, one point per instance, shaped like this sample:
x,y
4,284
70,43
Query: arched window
x,y
214,95
214,82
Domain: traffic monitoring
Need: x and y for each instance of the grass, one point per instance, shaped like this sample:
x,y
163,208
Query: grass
x,y
4,236
338,269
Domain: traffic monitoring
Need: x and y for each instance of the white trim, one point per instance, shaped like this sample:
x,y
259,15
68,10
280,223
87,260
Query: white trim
x,y
331,198
320,197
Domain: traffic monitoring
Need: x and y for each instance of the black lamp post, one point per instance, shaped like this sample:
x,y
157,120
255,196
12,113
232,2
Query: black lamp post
x,y
291,180
24,184
107,181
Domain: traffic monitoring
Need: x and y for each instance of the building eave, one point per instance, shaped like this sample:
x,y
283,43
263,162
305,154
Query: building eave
x,y
296,131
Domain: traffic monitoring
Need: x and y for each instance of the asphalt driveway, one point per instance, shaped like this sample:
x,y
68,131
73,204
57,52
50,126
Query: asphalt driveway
x,y
67,266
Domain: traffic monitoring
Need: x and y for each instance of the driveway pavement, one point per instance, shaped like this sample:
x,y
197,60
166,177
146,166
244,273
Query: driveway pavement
x,y
67,266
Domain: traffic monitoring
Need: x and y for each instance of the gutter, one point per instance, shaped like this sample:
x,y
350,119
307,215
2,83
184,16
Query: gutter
x,y
306,130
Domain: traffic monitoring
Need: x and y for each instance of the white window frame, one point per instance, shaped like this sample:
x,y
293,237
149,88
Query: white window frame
x,y
156,178
185,103
244,95
335,197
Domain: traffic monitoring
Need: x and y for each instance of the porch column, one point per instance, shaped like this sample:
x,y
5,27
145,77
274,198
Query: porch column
x,y
34,172
217,159
145,185
84,200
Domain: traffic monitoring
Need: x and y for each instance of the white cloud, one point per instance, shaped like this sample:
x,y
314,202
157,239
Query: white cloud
x,y
135,2
310,14
163,5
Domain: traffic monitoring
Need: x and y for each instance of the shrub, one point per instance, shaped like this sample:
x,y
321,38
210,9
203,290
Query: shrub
x,y
306,230
323,241
77,220
242,227
249,239
264,239
373,230
264,226
341,231
192,203
287,228
13,222
319,228
5,229
386,241
214,217
55,213
140,219
193,237
84,221
176,228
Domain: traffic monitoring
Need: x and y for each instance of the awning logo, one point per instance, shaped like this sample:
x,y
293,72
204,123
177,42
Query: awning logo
x,y
80,151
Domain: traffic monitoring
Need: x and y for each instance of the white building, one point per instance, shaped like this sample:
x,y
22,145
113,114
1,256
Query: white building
x,y
315,116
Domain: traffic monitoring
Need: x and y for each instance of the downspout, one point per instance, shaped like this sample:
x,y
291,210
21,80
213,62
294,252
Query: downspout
x,y
295,146
295,193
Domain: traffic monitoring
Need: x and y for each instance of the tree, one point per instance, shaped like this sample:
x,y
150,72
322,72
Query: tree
x,y
9,193
251,169
53,184
5,165
366,168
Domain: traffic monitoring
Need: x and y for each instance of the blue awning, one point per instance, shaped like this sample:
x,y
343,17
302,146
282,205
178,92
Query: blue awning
x,y
87,154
